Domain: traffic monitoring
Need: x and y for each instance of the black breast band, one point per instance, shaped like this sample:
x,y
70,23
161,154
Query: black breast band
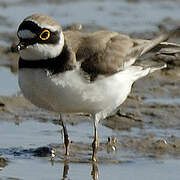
x,y
42,64
55,65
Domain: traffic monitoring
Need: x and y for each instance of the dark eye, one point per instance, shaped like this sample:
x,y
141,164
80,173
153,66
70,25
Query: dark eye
x,y
45,34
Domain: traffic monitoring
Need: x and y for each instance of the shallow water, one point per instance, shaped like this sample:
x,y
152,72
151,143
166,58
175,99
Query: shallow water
x,y
140,170
140,155
9,85
16,138
166,101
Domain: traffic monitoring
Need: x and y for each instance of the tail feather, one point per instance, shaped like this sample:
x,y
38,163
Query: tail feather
x,y
145,46
169,48
140,71
156,68
159,40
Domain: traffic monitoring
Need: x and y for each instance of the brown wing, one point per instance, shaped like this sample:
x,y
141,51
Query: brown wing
x,y
104,52
107,52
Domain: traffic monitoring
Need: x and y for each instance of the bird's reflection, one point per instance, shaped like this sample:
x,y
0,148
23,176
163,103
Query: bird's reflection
x,y
94,171
65,170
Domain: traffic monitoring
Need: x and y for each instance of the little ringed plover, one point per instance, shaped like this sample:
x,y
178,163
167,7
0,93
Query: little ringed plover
x,y
75,72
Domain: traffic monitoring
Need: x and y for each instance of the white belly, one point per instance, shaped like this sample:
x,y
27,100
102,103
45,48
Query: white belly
x,y
69,92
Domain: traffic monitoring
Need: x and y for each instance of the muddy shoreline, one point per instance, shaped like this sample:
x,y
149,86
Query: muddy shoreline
x,y
141,110
145,129
153,103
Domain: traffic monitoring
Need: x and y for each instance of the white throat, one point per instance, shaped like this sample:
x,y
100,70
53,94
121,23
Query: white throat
x,y
43,51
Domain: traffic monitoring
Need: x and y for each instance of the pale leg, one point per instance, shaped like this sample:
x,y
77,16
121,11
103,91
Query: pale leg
x,y
95,143
66,136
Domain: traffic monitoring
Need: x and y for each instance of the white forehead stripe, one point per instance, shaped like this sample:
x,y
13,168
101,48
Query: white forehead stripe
x,y
26,34
51,28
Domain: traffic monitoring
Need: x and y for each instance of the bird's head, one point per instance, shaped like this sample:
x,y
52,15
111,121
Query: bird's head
x,y
40,38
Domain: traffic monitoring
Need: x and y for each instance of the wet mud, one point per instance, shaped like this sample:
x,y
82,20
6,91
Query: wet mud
x,y
145,127
3,162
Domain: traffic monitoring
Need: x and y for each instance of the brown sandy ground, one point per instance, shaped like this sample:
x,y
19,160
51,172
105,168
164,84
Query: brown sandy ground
x,y
153,103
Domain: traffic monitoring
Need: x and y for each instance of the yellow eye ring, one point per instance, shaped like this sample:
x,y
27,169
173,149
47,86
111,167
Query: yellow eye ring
x,y
45,34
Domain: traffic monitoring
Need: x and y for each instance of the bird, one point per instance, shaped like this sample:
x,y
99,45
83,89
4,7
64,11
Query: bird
x,y
79,72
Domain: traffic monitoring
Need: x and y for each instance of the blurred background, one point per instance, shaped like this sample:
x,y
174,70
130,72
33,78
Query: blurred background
x,y
141,141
